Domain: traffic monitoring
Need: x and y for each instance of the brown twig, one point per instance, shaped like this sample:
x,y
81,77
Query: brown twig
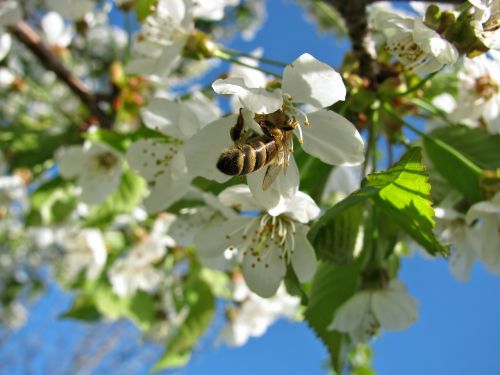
x,y
29,38
356,19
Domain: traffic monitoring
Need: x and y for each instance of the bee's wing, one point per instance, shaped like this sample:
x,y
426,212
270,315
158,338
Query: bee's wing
x,y
286,149
271,173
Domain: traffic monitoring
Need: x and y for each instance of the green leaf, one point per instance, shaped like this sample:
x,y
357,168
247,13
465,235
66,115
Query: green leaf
x,y
403,193
51,203
477,145
140,307
83,308
330,288
293,286
144,8
129,194
472,150
313,174
202,307
335,240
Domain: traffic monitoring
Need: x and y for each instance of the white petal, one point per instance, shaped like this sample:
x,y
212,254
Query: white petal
x,y
352,312
204,148
166,191
311,81
151,157
302,208
490,236
333,139
213,240
5,44
71,161
176,9
303,257
465,254
285,186
53,27
170,118
264,277
238,196
257,100
394,309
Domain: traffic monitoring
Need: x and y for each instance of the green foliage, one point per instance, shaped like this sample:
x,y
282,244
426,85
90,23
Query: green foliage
x,y
52,202
144,8
83,308
331,287
402,192
313,174
201,304
129,194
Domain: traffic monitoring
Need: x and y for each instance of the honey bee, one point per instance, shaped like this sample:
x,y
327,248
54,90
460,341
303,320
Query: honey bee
x,y
251,153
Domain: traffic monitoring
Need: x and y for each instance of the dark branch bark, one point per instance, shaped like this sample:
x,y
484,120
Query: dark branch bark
x,y
29,38
356,19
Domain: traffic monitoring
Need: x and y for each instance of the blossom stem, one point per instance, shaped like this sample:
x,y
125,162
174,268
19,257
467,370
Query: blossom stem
x,y
264,60
224,56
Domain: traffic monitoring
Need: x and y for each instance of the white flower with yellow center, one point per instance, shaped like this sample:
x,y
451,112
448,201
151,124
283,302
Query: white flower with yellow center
x,y
162,161
417,46
137,271
267,242
323,133
162,38
362,314
479,92
96,166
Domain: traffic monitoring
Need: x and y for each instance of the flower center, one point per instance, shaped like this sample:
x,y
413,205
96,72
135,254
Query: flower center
x,y
407,50
295,113
266,234
486,87
105,161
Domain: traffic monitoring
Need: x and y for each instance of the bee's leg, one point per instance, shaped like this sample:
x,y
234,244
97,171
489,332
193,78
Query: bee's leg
x,y
237,130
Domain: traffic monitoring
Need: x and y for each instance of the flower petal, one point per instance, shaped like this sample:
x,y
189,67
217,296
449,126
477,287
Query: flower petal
x,y
303,257
257,99
5,45
394,309
238,196
302,208
167,190
351,313
333,139
171,118
204,148
71,161
213,240
311,81
264,277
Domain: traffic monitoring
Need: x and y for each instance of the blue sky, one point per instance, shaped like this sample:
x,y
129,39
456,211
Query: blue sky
x,y
457,333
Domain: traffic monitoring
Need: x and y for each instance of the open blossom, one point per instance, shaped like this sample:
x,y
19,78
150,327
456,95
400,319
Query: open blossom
x,y
84,250
266,242
57,34
162,162
252,315
96,166
479,92
362,314
162,38
136,270
486,22
417,46
212,10
323,134
71,9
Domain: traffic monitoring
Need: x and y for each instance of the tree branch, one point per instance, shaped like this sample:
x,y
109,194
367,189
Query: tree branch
x,y
356,19
29,38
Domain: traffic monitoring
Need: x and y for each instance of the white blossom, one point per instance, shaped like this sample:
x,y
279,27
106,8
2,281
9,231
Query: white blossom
x,y
57,34
362,314
212,10
267,241
136,270
162,162
96,166
83,250
10,12
253,315
162,38
479,92
71,9
417,46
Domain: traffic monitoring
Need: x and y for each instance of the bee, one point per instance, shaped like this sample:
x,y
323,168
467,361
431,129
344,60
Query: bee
x,y
251,153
